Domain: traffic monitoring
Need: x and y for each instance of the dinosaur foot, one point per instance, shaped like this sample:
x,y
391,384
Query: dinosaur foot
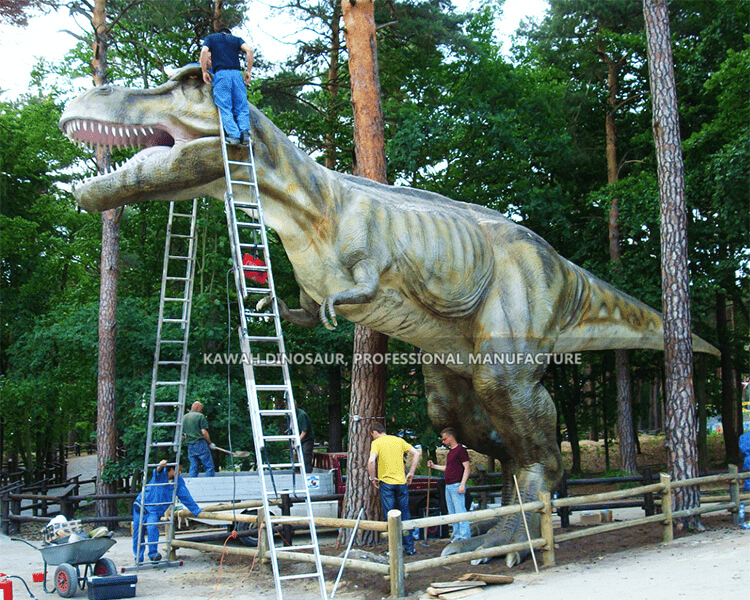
x,y
508,530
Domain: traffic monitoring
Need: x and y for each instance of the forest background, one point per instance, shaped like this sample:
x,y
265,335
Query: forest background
x,y
526,133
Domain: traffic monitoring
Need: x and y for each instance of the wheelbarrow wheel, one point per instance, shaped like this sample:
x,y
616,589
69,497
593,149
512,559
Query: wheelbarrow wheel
x,y
66,580
105,567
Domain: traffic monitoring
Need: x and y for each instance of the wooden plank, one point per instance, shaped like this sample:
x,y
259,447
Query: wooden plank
x,y
459,583
461,594
487,578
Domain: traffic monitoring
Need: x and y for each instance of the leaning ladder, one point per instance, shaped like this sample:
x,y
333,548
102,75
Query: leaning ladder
x,y
278,451
171,361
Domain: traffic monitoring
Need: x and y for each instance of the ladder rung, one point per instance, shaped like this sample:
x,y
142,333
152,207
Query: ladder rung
x,y
278,438
254,290
176,257
182,215
166,424
309,575
281,466
241,204
275,412
295,548
274,387
162,444
242,182
172,362
167,403
169,278
259,315
260,338
282,519
168,383
182,236
240,162
171,341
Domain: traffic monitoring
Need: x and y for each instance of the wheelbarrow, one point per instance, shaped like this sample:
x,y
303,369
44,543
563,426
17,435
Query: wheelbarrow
x,y
68,558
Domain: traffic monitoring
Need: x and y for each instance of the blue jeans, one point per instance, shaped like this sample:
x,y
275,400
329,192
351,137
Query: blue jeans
x,y
397,496
457,504
230,97
200,453
152,531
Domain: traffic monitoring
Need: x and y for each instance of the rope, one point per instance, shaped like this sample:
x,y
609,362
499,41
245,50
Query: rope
x,y
525,524
221,562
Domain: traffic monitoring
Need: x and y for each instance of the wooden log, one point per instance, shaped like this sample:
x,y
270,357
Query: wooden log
x,y
329,561
396,554
476,515
442,561
666,507
606,496
548,532
734,495
699,510
607,527
720,478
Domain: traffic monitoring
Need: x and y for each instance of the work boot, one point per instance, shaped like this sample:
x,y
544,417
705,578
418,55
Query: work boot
x,y
233,140
245,138
155,557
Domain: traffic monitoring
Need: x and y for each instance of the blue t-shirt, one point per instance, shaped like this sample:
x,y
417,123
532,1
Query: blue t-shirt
x,y
225,51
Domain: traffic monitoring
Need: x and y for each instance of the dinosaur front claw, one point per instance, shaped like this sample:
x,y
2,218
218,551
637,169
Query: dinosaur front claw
x,y
264,303
327,307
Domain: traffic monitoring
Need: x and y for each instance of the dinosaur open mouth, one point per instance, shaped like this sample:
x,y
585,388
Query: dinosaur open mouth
x,y
152,139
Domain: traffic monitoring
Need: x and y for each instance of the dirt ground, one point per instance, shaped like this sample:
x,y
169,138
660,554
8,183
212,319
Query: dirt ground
x,y
631,561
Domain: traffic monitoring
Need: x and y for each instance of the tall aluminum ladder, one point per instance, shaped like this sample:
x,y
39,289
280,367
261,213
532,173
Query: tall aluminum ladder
x,y
278,452
170,372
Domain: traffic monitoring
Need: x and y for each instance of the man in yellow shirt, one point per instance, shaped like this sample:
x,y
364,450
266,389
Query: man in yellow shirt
x,y
388,452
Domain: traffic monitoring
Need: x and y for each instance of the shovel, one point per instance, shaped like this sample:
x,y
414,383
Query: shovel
x,y
237,454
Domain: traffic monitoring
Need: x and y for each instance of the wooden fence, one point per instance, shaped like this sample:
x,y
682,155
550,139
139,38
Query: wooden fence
x,y
397,570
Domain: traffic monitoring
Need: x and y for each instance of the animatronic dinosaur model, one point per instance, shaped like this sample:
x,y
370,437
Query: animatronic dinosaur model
x,y
453,279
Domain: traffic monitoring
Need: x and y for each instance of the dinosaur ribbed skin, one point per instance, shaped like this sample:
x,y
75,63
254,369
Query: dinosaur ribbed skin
x,y
456,280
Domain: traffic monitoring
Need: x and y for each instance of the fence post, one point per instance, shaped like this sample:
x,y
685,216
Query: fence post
x,y
15,511
666,506
262,542
734,494
562,492
396,554
4,514
286,530
648,497
548,554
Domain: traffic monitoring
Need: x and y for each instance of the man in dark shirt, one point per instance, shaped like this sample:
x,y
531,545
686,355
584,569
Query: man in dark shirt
x,y
307,438
220,52
457,469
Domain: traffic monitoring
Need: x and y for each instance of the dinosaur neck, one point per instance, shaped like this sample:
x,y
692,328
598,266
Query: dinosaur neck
x,y
297,193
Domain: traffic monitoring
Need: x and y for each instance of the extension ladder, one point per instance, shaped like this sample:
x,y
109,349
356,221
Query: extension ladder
x,y
267,381
170,372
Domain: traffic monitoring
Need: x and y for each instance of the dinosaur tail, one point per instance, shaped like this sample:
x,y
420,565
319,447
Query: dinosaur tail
x,y
602,317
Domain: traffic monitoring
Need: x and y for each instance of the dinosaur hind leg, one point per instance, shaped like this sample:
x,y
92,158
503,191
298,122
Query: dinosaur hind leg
x,y
523,414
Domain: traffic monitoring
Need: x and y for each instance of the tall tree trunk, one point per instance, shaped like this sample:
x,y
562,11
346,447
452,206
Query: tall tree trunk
x,y
333,88
106,431
334,408
368,378
680,418
730,427
622,357
334,392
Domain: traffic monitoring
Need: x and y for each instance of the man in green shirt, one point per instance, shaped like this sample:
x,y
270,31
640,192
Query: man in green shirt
x,y
195,430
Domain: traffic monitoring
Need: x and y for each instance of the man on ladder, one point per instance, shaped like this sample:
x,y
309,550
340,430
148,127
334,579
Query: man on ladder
x,y
220,52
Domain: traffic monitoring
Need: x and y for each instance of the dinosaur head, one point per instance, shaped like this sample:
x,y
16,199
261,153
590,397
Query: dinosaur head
x,y
175,125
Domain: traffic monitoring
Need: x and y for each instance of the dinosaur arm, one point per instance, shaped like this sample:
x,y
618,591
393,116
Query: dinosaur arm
x,y
306,316
366,278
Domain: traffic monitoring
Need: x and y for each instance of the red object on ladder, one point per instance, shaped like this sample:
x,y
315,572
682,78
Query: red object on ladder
x,y
256,276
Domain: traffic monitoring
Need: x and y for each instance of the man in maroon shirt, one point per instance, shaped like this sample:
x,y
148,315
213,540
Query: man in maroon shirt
x,y
457,469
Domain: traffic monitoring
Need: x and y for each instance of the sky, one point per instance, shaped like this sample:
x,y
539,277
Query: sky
x,y
45,37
